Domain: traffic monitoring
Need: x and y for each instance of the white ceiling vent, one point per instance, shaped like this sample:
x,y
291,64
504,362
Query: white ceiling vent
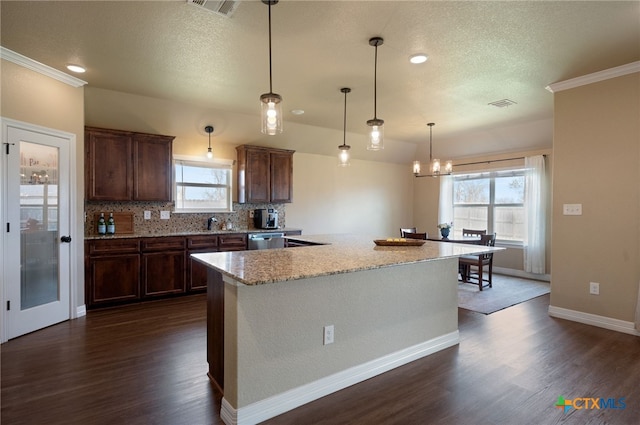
x,y
502,103
221,7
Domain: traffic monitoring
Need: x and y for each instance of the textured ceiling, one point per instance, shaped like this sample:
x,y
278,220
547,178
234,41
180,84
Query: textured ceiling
x,y
479,52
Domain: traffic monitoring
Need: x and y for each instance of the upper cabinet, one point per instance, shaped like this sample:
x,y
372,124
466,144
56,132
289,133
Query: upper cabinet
x,y
127,166
265,175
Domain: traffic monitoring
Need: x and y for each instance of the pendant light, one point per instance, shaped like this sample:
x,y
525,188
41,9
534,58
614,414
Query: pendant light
x,y
434,162
344,148
209,129
376,133
271,103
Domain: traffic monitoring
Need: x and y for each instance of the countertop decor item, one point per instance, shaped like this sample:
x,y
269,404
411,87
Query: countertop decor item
x,y
399,242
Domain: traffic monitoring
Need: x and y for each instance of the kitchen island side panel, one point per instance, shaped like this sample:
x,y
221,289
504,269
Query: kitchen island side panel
x,y
274,333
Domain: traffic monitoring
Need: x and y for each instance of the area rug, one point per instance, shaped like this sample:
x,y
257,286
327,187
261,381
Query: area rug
x,y
506,291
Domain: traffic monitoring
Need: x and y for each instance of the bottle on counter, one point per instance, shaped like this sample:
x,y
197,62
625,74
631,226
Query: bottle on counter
x,y
111,225
102,225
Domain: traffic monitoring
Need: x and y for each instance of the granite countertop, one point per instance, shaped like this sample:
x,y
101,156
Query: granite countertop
x,y
189,233
339,254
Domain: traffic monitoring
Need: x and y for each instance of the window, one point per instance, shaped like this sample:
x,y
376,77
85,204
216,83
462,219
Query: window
x,y
202,186
493,201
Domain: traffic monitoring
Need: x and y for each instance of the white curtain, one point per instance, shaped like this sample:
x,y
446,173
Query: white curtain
x,y
445,210
535,209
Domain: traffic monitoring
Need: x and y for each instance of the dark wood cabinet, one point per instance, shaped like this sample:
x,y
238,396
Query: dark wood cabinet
x,y
127,166
124,270
264,174
196,271
108,165
232,242
112,271
163,266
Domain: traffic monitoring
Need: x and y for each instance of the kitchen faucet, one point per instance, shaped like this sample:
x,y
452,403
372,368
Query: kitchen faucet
x,y
211,220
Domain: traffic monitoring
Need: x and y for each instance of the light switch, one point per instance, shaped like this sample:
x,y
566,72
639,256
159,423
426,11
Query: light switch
x,y
572,209
147,215
165,215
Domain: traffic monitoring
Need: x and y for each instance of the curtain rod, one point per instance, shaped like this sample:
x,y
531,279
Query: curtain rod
x,y
475,163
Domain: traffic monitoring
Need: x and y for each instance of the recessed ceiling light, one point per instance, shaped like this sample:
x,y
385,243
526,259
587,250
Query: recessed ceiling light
x,y
76,68
418,58
297,111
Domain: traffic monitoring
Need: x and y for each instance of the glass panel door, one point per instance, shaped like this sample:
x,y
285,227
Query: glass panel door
x,y
39,236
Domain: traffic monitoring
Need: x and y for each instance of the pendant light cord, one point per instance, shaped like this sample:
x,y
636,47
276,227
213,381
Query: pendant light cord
x,y
375,84
270,78
344,129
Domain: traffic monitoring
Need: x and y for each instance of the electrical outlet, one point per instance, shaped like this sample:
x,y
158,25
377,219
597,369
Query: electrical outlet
x,y
147,215
572,209
165,215
594,288
328,335
251,212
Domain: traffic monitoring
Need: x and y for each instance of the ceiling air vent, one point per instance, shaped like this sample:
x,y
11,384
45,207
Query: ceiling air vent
x,y
221,7
502,103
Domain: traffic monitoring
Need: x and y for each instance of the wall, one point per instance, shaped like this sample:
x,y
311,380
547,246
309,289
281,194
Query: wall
x,y
427,197
597,164
36,99
366,197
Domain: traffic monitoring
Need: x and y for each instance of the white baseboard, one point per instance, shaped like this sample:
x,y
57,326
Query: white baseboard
x,y
280,403
81,310
594,320
522,274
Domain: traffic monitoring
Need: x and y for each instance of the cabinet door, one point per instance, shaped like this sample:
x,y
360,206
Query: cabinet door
x,y
257,176
152,170
232,242
281,177
196,271
109,166
163,273
112,279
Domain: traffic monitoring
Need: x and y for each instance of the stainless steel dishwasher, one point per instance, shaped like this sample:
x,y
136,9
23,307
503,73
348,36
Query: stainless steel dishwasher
x,y
266,240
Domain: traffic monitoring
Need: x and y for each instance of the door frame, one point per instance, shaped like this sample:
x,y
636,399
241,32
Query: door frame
x,y
74,310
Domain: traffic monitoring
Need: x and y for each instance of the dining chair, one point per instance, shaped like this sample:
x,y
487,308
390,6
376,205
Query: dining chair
x,y
416,235
472,233
404,230
480,262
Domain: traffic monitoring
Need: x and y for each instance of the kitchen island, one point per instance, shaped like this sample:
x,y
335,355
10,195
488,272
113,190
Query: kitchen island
x,y
269,313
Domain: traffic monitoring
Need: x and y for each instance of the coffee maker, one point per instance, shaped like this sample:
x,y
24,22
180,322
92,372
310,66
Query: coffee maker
x,y
265,218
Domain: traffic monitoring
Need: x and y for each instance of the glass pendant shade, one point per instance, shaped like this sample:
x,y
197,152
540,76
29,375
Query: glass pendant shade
x,y
271,115
376,134
448,167
209,153
435,166
343,156
416,167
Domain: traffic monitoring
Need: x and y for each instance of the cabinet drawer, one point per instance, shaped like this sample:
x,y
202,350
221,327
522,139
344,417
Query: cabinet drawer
x,y
201,242
163,244
110,246
232,242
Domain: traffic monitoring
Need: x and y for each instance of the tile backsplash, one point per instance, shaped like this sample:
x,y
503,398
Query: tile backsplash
x,y
178,222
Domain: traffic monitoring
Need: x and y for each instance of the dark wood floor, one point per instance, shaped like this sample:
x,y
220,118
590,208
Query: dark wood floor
x,y
145,364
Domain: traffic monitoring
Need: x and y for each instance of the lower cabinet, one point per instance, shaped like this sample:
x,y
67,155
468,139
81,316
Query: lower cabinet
x,y
125,270
112,271
163,266
197,272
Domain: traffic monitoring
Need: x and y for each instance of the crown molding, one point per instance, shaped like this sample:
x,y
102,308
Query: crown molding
x,y
40,68
607,74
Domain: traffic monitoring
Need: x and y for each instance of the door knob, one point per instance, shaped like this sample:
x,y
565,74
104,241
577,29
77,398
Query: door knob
x,y
65,239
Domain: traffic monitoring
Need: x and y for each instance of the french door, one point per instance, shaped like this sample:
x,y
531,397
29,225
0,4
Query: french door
x,y
36,224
